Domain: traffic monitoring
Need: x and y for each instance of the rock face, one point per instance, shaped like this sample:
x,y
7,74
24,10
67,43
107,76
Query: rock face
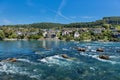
x,y
65,56
106,57
10,60
100,50
81,49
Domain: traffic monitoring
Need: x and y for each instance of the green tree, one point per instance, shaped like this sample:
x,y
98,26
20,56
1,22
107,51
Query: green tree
x,y
106,26
2,35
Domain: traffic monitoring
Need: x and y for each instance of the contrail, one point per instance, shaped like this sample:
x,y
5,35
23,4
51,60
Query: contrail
x,y
59,13
62,5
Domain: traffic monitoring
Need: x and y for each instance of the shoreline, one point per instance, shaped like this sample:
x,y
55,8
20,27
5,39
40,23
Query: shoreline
x,y
53,39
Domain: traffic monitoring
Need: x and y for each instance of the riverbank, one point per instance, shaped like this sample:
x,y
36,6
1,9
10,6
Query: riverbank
x,y
56,39
51,39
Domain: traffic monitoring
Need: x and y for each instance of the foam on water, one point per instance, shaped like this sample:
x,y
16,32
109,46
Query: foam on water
x,y
35,76
56,59
9,68
93,50
65,49
103,60
84,54
114,57
44,52
92,68
27,61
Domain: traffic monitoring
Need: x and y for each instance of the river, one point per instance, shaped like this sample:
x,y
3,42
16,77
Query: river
x,y
42,60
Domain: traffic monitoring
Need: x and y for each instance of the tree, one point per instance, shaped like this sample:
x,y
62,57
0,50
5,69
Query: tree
x,y
85,36
2,35
106,26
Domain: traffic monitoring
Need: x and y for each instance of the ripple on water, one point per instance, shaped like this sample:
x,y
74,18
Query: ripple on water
x,y
56,59
27,61
10,68
103,60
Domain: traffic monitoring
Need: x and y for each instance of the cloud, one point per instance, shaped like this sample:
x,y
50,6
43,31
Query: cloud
x,y
82,17
86,17
6,21
59,11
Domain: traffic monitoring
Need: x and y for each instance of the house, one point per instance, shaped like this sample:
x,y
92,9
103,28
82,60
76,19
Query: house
x,y
116,35
65,33
76,34
19,33
83,30
45,34
113,29
97,30
50,34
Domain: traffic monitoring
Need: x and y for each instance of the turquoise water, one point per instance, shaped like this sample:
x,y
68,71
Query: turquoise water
x,y
41,60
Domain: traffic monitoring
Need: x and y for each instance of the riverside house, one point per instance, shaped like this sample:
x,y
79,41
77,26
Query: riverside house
x,y
65,33
76,34
97,30
50,33
116,35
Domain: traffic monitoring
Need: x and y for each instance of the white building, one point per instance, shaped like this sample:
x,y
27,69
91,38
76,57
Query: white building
x,y
76,34
45,34
19,33
65,33
97,30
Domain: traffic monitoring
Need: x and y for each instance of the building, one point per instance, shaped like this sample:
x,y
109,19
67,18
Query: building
x,y
76,34
45,34
97,30
116,35
65,33
50,34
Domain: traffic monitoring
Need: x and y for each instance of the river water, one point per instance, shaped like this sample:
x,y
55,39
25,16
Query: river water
x,y
42,60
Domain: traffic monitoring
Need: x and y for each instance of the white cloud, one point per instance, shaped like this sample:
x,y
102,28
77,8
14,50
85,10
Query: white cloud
x,y
6,21
82,17
87,17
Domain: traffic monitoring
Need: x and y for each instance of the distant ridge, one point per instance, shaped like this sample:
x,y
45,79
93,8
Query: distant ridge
x,y
114,20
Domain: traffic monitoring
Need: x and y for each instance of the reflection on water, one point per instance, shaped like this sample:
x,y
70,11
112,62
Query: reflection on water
x,y
42,60
48,44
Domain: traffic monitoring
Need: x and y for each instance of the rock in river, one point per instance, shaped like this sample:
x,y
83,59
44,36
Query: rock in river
x,y
65,56
106,57
100,50
81,49
9,60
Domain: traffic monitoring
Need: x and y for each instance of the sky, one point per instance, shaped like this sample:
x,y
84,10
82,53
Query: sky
x,y
56,11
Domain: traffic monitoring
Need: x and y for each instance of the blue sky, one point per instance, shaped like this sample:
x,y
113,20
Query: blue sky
x,y
58,11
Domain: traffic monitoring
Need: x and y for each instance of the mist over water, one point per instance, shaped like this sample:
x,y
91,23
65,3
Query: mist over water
x,y
42,60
